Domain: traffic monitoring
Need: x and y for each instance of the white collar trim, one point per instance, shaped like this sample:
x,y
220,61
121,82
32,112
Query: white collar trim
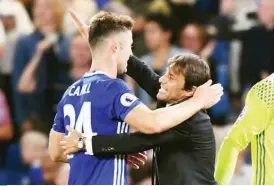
x,y
91,73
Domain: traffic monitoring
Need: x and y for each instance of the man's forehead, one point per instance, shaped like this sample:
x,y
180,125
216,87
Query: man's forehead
x,y
175,70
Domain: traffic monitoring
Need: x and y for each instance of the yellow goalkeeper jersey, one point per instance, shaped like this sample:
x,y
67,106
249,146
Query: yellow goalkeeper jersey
x,y
256,125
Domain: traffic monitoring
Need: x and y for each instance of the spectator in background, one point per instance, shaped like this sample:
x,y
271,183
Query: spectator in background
x,y
2,38
50,170
158,35
67,72
5,120
16,9
35,123
139,48
257,58
187,11
62,175
243,172
193,37
139,9
80,56
33,147
116,7
86,9
43,46
16,23
6,132
28,4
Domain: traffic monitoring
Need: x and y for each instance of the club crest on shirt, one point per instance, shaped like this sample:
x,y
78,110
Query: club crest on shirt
x,y
127,99
241,116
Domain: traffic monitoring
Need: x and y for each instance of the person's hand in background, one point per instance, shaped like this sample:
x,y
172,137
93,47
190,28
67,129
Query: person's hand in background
x,y
227,7
45,44
81,26
207,51
137,160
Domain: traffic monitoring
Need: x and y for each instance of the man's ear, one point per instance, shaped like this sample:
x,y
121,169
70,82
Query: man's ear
x,y
190,93
113,46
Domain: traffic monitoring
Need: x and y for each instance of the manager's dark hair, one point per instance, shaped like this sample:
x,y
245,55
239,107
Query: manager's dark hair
x,y
195,70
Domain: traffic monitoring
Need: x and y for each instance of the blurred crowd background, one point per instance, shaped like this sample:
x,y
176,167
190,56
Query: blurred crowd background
x,y
41,54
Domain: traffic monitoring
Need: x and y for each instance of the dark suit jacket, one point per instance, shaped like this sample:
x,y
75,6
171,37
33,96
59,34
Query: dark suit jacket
x,y
185,154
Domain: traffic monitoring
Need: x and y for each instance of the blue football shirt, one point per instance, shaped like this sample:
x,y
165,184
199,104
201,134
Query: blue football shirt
x,y
96,104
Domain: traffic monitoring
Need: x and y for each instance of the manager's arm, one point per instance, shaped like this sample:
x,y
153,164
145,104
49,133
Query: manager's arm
x,y
108,145
144,76
136,142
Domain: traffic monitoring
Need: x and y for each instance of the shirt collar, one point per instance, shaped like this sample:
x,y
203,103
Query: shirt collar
x,y
94,72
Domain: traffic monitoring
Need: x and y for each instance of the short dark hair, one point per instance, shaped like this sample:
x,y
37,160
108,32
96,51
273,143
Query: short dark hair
x,y
164,21
105,23
195,70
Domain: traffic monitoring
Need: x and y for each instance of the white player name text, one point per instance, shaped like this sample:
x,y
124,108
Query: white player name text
x,y
79,90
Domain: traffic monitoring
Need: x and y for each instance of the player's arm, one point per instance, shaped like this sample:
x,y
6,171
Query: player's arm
x,y
128,108
55,150
252,121
144,76
115,144
57,134
149,122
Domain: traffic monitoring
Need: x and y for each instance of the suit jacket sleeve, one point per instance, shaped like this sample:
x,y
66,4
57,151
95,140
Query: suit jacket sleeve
x,y
144,76
136,142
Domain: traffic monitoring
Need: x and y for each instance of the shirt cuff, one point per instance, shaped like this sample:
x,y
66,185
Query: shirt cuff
x,y
88,143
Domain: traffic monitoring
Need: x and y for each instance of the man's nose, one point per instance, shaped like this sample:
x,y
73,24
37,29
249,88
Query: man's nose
x,y
162,79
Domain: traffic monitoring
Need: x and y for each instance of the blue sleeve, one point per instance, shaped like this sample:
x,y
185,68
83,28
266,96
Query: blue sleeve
x,y
124,99
58,125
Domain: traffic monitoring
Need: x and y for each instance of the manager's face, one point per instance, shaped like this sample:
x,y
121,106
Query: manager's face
x,y
172,86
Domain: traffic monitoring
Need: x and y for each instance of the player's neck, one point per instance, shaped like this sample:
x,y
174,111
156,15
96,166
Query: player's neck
x,y
104,64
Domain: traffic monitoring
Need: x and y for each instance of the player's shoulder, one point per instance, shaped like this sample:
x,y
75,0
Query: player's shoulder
x,y
265,86
263,90
113,87
102,79
118,83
